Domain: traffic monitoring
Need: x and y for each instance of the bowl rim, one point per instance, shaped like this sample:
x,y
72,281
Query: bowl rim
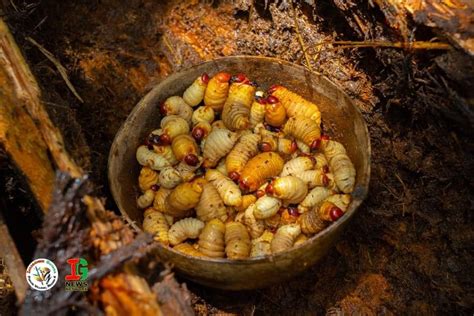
x,y
357,197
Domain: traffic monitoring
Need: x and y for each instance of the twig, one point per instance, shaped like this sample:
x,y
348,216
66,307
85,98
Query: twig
x,y
404,45
300,38
61,69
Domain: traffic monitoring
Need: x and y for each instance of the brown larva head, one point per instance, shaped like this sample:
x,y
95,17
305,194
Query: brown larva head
x,y
269,188
239,78
234,175
293,211
294,147
271,128
191,159
223,77
260,193
335,213
273,88
315,144
154,139
205,78
272,99
261,100
165,139
163,109
325,180
326,169
244,186
198,134
265,147
155,187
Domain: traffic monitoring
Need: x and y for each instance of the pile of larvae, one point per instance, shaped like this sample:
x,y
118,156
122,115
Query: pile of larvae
x,y
235,172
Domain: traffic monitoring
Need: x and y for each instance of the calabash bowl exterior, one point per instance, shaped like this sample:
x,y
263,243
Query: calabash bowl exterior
x,y
341,119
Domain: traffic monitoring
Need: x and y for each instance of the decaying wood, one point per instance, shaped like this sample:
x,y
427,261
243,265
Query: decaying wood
x,y
26,130
77,224
11,258
452,18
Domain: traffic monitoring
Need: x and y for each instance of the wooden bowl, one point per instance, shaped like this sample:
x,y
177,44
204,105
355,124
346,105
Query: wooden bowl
x,y
341,119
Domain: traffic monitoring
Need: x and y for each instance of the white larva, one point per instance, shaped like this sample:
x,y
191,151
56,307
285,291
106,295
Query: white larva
x,y
266,206
146,199
148,158
169,177
188,228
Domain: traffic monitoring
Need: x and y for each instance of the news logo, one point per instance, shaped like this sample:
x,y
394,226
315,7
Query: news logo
x,y
42,274
76,280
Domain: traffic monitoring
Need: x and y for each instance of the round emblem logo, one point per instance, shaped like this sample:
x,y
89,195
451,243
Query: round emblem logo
x,y
42,274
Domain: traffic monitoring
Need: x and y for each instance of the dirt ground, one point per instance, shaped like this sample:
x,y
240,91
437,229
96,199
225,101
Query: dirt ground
x,y
409,249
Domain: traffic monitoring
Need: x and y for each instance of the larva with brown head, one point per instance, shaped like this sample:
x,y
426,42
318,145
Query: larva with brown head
x,y
169,178
236,110
259,169
295,104
185,149
285,237
211,205
275,113
146,199
340,165
194,94
184,197
246,148
217,90
218,144
334,207
303,129
147,178
211,240
155,223
200,131
297,165
175,105
313,178
237,241
228,190
290,189
188,228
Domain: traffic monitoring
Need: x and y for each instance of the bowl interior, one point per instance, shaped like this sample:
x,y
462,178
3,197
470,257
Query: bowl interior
x,y
341,120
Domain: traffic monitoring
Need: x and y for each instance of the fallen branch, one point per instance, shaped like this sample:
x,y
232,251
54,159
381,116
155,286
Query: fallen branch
x,y
59,67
